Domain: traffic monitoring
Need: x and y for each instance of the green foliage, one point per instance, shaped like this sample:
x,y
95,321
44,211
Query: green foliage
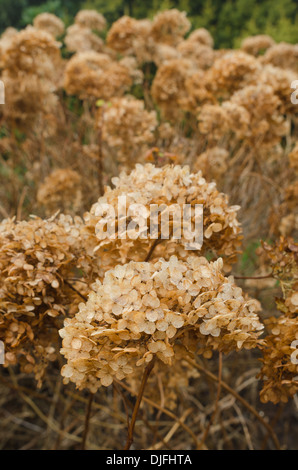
x,y
11,13
29,13
228,21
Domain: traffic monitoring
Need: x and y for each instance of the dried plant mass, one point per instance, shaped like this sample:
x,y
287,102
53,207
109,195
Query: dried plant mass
x,y
187,344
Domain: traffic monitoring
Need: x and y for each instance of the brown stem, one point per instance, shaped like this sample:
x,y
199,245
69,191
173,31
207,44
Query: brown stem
x,y
87,420
152,248
100,155
216,403
137,404
163,410
75,290
267,276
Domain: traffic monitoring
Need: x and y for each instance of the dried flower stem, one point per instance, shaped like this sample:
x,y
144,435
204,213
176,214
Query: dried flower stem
x,y
87,420
267,276
100,155
216,403
163,410
137,404
152,248
75,290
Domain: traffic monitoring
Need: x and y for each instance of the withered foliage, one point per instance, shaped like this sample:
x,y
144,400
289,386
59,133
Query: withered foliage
x,y
148,110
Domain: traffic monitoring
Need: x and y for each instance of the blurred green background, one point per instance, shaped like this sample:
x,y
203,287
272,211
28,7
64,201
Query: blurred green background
x,y
229,21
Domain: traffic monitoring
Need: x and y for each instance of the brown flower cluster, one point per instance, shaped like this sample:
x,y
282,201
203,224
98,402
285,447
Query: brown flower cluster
x,y
126,32
126,126
31,75
169,188
36,258
254,45
169,27
49,23
93,75
280,359
169,87
61,191
81,39
83,34
282,55
141,310
91,19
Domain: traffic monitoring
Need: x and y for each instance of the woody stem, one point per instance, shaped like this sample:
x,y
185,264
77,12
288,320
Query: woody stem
x,y
137,405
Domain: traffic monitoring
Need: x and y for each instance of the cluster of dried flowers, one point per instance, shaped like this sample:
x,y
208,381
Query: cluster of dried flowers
x,y
169,189
280,357
36,259
221,130
141,310
31,73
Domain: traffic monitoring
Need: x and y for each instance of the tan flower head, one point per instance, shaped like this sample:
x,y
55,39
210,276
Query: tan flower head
x,y
162,187
170,27
49,23
255,44
143,310
95,75
61,190
91,19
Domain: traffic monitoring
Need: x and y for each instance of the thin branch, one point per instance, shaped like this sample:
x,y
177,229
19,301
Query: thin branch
x,y
152,248
75,290
267,276
87,420
137,404
216,402
164,410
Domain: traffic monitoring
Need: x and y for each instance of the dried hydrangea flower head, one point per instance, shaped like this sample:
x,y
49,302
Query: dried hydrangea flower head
x,y
170,187
170,26
280,358
93,75
33,51
132,65
91,19
5,41
282,55
232,72
80,39
32,69
125,34
293,157
283,260
61,191
49,23
212,163
280,80
229,118
201,36
127,126
254,45
267,126
35,259
168,88
142,310
213,120
202,55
